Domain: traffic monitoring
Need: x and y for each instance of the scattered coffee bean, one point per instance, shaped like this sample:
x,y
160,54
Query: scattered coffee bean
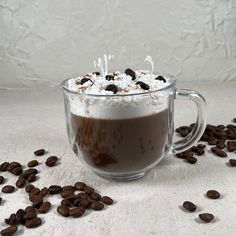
x,y
32,163
33,223
34,191
107,200
84,203
143,85
95,196
80,186
97,206
220,153
112,87
54,189
15,164
30,172
206,217
17,171
29,215
63,210
3,166
191,160
20,183
51,161
212,142
66,202
9,231
31,178
20,216
11,220
44,208
77,212
88,189
39,152
68,188
189,206
10,168
109,77
44,191
1,179
37,204
214,149
232,162
8,189
202,146
161,78
29,188
213,194
131,73
67,193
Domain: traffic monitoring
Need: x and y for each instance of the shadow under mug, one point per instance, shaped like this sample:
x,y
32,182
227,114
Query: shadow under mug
x,y
122,137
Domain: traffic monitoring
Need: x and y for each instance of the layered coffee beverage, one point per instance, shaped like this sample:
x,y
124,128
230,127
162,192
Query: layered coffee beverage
x,y
113,131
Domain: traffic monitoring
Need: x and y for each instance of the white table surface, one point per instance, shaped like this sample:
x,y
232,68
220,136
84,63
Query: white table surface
x,y
32,119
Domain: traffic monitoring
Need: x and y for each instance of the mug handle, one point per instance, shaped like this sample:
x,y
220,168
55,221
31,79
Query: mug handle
x,y
197,131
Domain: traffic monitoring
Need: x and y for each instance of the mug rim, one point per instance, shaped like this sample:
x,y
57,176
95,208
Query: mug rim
x,y
66,89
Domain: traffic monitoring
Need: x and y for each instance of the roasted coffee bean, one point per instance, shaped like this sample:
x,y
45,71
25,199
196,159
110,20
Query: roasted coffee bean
x,y
1,179
112,87
184,133
76,212
234,120
31,178
95,196
20,183
143,85
189,206
67,193
63,210
107,200
10,168
96,73
32,163
44,208
37,204
80,186
188,153
213,194
180,155
66,202
33,223
161,78
44,191
29,188
11,220
76,202
214,149
88,189
36,197
109,77
54,189
206,217
31,171
3,166
220,153
231,146
220,145
232,162
84,80
34,191
200,151
39,152
20,216
17,171
90,199
68,188
191,160
212,142
29,215
97,206
15,164
9,231
202,146
84,203
51,161
0,200
131,73
30,209
8,189
72,198
83,195
194,149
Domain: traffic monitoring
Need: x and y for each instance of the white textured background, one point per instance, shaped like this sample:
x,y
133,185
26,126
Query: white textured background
x,y
43,42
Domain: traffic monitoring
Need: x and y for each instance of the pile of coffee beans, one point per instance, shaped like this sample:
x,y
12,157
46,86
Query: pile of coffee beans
x,y
220,138
191,207
76,198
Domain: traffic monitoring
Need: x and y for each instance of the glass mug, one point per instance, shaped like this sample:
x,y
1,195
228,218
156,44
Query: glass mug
x,y
122,137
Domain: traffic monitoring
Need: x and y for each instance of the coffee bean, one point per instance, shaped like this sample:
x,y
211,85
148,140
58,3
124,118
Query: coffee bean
x,y
54,189
212,142
131,73
88,189
161,78
234,120
3,166
34,191
33,223
95,196
51,161
20,216
66,202
189,206
77,202
220,145
77,212
80,186
232,162
214,149
143,85
1,179
107,200
32,163
206,217
8,189
37,204
109,77
97,206
31,178
44,208
11,220
90,199
111,87
9,231
67,193
84,203
37,198
17,171
220,153
202,146
180,155
191,160
68,188
184,133
10,168
63,210
29,188
213,194
39,152
30,209
20,183
15,164
0,200
30,171
29,215
44,191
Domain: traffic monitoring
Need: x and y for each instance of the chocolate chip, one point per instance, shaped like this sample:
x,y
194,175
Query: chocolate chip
x,y
29,188
8,189
39,152
232,162
51,161
97,206
54,189
9,231
143,85
63,210
20,183
206,217
189,206
131,73
109,77
213,194
80,186
220,153
1,179
77,212
32,163
33,223
44,208
111,87
161,78
107,200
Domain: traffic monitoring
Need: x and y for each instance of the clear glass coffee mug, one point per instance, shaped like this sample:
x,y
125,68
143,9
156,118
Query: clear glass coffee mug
x,y
122,137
